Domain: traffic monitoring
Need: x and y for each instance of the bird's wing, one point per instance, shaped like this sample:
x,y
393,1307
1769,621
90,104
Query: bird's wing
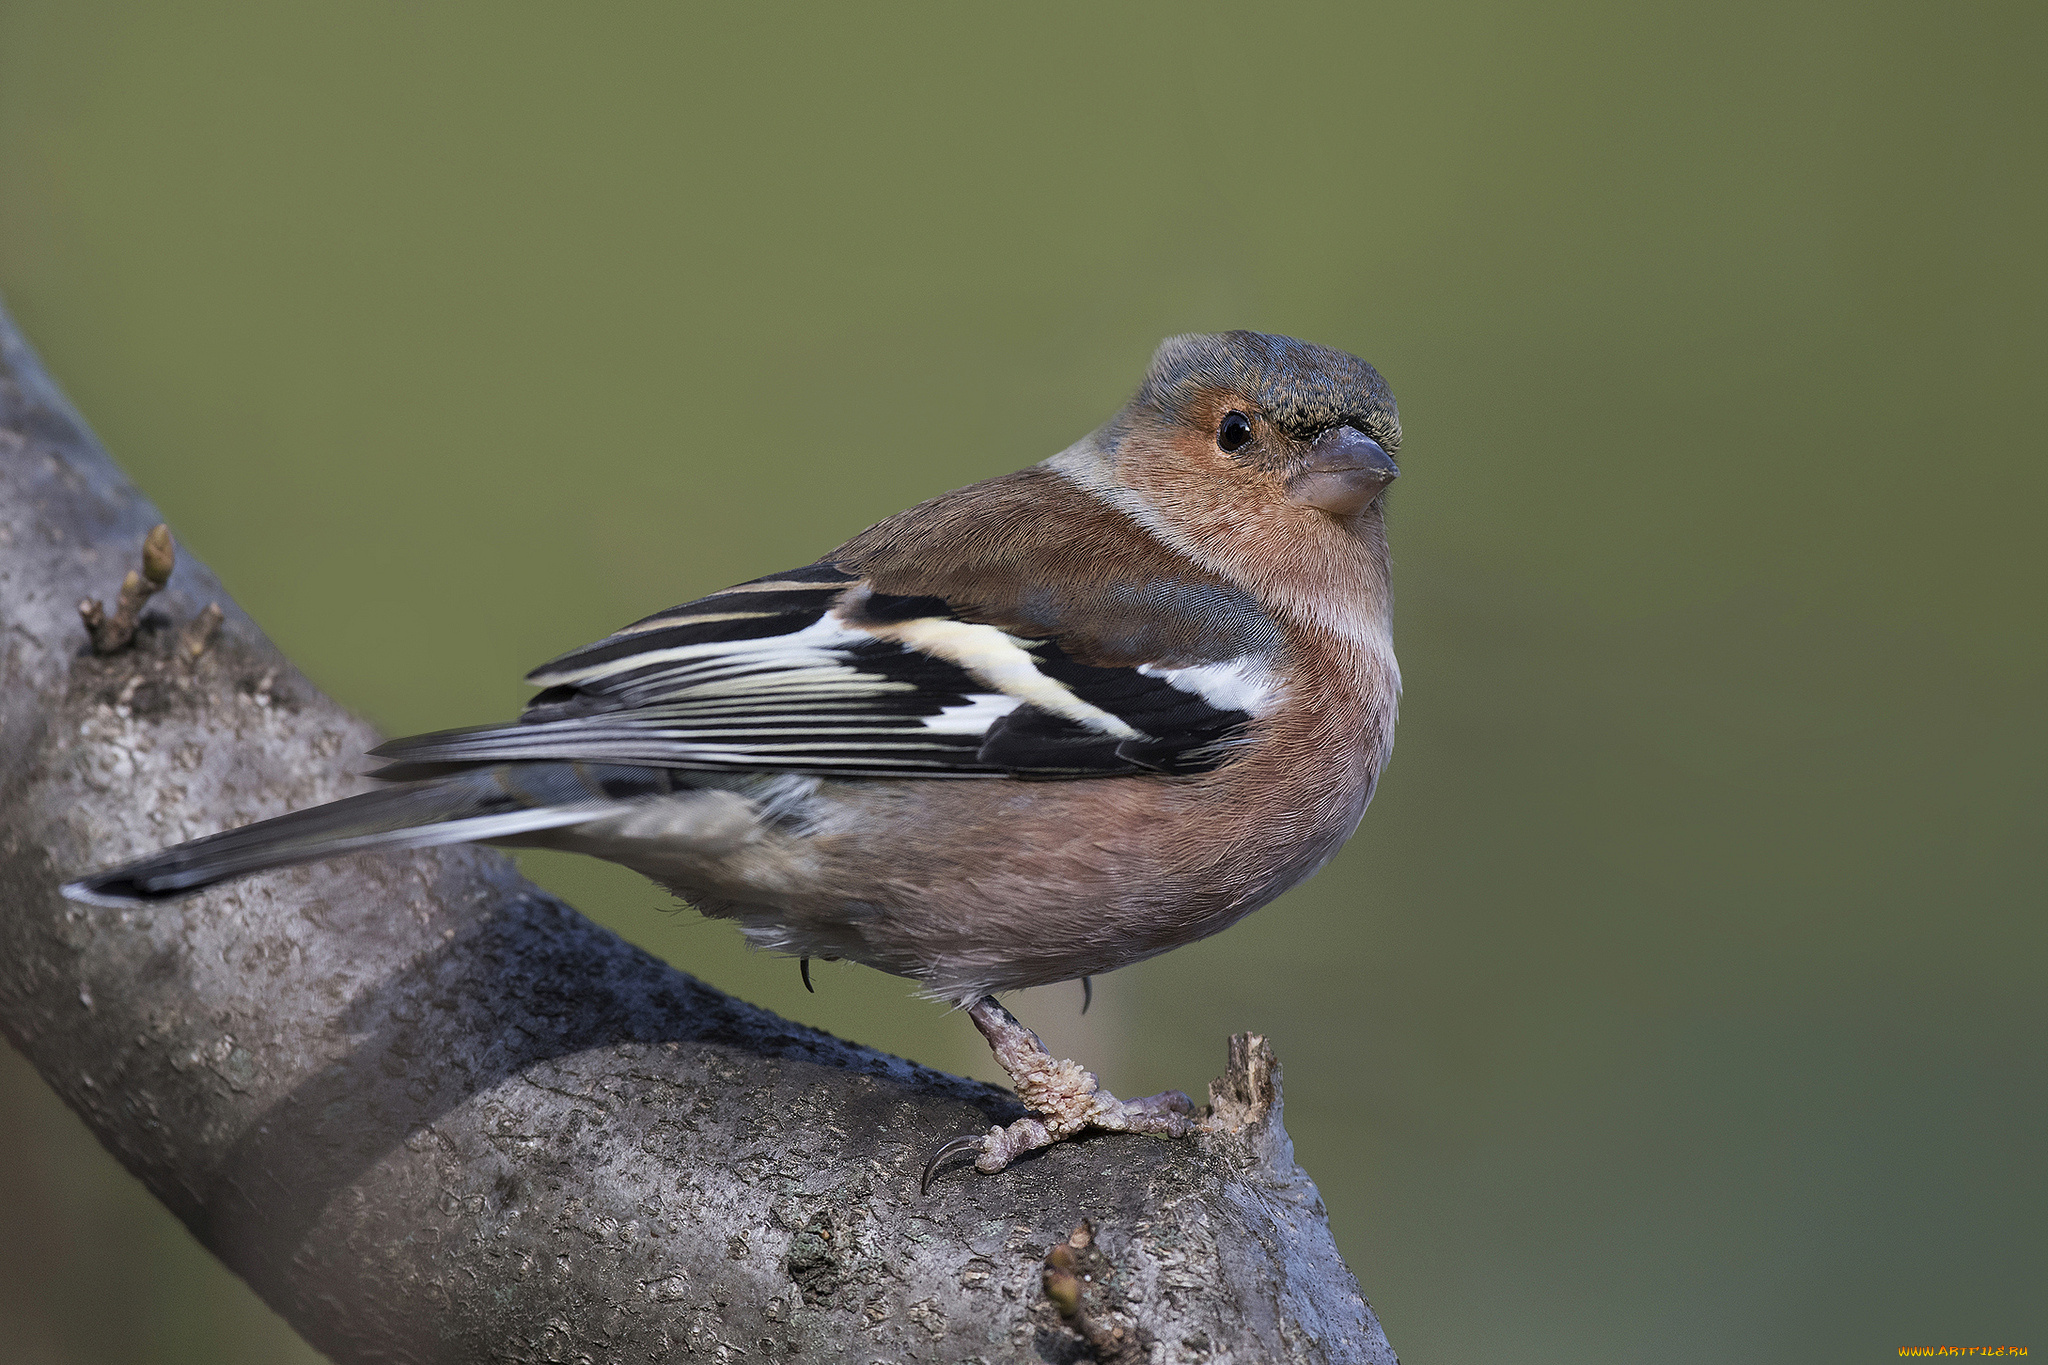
x,y
1045,664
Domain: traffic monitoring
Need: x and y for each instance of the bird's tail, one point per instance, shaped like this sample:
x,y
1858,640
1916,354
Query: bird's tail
x,y
469,806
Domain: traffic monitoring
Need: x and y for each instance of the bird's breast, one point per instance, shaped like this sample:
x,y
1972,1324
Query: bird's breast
x,y
997,884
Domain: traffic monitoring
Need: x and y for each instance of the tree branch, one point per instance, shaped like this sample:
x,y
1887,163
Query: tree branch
x,y
432,1114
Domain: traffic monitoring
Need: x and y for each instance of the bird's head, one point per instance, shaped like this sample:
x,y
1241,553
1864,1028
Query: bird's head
x,y
1264,458
1262,421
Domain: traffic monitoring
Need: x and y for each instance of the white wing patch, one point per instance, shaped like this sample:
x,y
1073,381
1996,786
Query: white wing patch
x,y
1001,661
982,710
1246,684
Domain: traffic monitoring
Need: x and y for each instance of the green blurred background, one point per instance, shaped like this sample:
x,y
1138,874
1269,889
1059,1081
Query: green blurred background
x,y
1681,998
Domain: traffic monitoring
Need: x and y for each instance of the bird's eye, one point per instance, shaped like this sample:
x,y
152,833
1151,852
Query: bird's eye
x,y
1235,433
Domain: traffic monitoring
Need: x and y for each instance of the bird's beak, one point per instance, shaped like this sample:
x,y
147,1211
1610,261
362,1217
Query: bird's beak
x,y
1346,470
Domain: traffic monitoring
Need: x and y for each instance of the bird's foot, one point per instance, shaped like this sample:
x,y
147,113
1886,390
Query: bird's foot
x,y
1171,1114
1064,1099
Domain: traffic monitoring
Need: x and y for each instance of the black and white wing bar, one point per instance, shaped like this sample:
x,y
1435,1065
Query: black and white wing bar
x,y
806,672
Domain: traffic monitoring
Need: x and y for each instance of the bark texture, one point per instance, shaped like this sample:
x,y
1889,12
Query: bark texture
x,y
432,1114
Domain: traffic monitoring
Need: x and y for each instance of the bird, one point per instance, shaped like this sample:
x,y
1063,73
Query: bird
x,y
1030,731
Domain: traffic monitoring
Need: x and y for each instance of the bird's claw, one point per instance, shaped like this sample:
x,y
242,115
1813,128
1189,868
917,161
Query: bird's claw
x,y
964,1142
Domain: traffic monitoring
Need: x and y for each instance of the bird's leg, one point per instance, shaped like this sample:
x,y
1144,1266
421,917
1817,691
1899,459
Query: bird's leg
x,y
1063,1098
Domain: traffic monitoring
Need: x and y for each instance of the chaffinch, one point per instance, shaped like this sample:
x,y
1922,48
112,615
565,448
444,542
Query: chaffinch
x,y
1029,731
